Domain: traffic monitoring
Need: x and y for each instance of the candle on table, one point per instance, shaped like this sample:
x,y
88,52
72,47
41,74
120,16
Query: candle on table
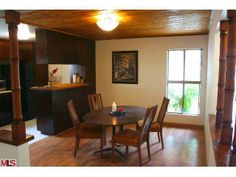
x,y
114,107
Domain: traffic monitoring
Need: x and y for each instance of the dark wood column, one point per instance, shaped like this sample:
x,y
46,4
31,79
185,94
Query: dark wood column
x,y
18,125
18,135
222,72
226,128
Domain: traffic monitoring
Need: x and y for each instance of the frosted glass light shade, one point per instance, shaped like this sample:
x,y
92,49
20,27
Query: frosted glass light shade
x,y
107,21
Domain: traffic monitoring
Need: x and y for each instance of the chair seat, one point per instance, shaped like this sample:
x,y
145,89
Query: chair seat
x,y
128,137
88,130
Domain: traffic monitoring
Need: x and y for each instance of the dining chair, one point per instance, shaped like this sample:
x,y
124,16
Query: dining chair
x,y
84,130
136,138
157,125
95,102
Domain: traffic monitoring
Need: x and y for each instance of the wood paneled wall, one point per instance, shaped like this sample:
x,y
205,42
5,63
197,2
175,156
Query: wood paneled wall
x,y
58,48
26,50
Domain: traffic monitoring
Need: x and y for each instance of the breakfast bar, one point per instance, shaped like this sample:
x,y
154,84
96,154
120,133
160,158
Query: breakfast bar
x,y
50,106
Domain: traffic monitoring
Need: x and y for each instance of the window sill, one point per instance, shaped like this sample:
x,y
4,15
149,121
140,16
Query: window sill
x,y
221,152
186,115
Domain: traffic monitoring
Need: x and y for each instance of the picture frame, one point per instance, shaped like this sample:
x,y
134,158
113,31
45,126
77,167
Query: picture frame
x,y
125,67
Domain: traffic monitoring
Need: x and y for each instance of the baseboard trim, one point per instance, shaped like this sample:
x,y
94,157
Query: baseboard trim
x,y
179,125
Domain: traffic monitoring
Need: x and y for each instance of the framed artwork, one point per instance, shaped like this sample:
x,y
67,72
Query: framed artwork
x,y
125,67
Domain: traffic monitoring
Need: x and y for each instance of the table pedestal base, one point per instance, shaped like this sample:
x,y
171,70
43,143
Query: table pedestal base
x,y
110,149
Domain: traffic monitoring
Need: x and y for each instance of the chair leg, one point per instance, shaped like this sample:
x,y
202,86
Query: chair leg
x,y
148,149
158,135
162,143
113,151
126,150
139,155
77,141
102,143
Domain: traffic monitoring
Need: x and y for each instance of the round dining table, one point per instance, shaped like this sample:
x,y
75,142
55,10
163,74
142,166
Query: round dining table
x,y
132,114
104,118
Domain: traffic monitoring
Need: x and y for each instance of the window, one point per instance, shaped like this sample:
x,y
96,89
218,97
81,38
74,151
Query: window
x,y
183,81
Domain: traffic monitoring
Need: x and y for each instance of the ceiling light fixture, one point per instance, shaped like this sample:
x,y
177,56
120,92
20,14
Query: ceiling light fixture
x,y
24,32
107,21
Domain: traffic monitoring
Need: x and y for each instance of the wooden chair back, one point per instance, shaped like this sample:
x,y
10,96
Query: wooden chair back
x,y
145,129
73,114
163,110
95,102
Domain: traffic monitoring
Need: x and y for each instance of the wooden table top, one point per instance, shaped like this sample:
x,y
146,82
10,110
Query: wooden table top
x,y
102,117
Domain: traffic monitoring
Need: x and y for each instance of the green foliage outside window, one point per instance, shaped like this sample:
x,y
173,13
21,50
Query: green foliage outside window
x,y
191,93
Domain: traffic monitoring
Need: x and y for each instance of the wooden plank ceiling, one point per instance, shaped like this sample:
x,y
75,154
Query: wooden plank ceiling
x,y
133,23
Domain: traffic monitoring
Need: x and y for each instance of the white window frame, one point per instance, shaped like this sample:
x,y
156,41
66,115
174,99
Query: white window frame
x,y
184,82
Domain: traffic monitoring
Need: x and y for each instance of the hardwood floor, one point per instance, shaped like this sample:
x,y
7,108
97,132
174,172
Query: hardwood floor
x,y
183,147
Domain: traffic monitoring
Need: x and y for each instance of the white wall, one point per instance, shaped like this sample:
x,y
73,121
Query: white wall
x,y
19,153
211,96
212,80
152,62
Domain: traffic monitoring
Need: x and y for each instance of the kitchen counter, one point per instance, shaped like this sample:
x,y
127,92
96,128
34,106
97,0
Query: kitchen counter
x,y
51,106
56,87
5,107
2,92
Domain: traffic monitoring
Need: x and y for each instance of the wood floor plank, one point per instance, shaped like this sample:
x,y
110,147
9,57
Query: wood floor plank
x,y
183,147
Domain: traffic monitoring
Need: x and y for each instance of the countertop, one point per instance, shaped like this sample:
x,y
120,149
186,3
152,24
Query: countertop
x,y
5,92
56,87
